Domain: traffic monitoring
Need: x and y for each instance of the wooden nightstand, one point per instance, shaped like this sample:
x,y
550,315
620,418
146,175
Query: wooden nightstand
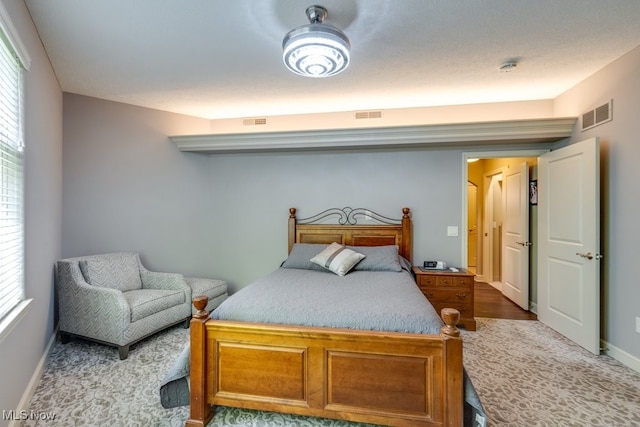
x,y
444,288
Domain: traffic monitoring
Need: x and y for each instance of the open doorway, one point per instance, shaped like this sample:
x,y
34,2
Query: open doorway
x,y
484,246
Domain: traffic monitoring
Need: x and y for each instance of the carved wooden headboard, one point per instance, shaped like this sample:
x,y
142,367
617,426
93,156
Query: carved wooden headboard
x,y
380,232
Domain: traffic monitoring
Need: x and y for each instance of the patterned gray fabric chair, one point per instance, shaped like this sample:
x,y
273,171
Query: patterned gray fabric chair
x,y
113,299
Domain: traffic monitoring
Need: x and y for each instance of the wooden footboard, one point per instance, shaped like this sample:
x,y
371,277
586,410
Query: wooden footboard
x,y
385,378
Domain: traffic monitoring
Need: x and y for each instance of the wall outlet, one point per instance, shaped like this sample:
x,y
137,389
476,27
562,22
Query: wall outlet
x,y
452,231
638,325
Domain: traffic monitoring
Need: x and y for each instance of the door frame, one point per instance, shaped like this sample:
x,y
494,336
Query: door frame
x,y
488,242
478,225
494,154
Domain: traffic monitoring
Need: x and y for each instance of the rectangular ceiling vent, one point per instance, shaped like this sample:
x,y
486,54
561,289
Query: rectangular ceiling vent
x,y
368,115
597,116
254,121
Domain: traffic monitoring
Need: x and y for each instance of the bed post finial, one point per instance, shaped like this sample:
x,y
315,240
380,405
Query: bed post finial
x,y
292,228
405,212
200,303
451,316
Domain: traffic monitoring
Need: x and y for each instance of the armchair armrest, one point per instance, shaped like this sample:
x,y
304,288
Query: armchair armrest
x,y
167,281
157,280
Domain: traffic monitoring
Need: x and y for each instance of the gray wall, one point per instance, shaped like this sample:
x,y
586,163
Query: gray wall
x,y
254,192
127,187
22,349
620,156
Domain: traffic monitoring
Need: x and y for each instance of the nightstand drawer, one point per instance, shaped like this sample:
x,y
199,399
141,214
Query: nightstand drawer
x,y
444,281
457,296
426,281
449,281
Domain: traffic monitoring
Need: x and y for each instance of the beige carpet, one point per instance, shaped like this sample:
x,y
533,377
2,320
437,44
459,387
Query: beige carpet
x,y
525,373
529,375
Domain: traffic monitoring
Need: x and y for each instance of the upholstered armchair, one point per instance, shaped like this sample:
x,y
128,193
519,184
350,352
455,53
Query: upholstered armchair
x,y
113,299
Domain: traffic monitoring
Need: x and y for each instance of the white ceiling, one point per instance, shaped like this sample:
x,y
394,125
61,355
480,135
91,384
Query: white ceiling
x,y
223,58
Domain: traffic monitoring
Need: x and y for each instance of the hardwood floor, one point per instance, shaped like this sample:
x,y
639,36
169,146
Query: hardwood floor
x,y
489,302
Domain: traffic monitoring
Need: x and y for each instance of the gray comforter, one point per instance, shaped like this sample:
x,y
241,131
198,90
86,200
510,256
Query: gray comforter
x,y
366,300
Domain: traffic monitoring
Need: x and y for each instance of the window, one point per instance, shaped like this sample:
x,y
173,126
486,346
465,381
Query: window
x,y
11,173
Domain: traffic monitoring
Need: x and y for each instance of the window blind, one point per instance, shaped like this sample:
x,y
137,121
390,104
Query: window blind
x,y
11,179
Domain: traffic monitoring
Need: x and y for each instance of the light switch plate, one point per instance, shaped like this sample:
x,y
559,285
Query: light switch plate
x,y
452,231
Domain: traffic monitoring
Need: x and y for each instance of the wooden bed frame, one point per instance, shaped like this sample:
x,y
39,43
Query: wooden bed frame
x,y
388,378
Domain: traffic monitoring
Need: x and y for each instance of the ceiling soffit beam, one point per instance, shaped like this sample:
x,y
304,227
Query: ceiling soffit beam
x,y
512,131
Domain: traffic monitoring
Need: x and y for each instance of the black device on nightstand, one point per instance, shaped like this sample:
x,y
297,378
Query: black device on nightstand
x,y
434,265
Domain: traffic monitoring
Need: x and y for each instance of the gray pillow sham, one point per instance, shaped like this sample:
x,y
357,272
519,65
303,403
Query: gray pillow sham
x,y
378,258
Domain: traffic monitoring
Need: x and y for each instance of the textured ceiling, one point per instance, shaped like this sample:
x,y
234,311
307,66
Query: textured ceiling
x,y
223,58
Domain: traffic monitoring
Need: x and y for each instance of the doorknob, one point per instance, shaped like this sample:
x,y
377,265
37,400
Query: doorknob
x,y
588,255
524,243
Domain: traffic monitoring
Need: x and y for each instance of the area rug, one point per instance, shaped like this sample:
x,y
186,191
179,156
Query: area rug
x,y
525,373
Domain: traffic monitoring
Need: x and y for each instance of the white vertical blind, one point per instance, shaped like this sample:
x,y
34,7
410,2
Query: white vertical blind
x,y
11,179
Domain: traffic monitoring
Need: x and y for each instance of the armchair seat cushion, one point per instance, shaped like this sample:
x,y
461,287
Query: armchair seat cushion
x,y
116,271
145,302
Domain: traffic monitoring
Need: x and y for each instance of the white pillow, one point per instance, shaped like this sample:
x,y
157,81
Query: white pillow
x,y
338,259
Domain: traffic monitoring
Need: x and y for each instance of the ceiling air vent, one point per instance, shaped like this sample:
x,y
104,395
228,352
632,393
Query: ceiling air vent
x,y
597,116
254,121
368,115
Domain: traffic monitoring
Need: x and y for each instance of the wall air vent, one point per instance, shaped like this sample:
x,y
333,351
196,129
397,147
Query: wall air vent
x,y
368,115
597,116
254,121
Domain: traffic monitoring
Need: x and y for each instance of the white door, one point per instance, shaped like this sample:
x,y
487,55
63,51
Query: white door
x,y
515,235
569,242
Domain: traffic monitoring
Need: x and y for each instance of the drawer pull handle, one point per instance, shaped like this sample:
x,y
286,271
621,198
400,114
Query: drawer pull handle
x,y
461,295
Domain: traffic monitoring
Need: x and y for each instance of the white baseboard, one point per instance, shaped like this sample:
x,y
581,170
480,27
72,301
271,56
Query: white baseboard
x,y
35,380
621,356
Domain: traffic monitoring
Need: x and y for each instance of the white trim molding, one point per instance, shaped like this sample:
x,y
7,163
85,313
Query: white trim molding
x,y
546,130
8,322
621,356
23,405
14,38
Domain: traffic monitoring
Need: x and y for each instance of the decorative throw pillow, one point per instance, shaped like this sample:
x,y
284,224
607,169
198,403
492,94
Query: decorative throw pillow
x,y
337,258
378,258
301,254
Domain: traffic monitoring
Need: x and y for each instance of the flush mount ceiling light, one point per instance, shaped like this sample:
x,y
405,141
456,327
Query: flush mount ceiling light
x,y
316,49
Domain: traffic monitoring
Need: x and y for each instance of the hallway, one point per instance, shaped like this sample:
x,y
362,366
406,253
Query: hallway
x,y
489,302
